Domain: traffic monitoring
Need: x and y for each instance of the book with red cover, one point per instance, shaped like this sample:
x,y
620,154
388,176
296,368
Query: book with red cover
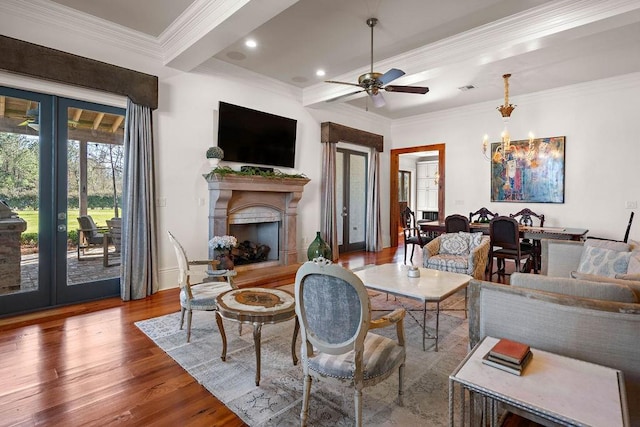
x,y
511,351
507,366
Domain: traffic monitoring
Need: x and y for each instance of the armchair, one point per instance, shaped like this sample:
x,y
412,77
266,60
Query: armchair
x,y
334,313
198,296
465,253
89,234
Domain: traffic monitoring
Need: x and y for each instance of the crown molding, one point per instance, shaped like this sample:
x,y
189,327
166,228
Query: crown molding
x,y
195,22
217,68
515,34
588,89
64,23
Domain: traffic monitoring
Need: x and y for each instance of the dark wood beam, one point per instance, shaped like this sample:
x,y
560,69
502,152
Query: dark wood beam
x,y
50,64
333,133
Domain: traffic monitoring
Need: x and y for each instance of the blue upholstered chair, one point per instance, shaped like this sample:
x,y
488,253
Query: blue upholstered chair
x,y
461,252
197,296
334,312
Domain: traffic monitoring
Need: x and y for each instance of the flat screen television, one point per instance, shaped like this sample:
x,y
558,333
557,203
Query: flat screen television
x,y
256,137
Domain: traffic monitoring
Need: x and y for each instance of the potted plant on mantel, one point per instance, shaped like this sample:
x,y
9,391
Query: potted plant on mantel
x,y
214,155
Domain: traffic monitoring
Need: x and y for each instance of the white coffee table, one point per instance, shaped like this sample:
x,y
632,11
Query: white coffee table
x,y
432,286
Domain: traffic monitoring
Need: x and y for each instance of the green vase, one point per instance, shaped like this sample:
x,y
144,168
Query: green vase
x,y
319,248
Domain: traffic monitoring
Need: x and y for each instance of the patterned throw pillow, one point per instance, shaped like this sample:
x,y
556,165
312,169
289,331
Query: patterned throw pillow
x,y
454,244
474,240
603,262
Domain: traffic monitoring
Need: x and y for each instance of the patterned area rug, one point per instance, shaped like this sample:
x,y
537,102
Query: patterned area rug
x,y
278,399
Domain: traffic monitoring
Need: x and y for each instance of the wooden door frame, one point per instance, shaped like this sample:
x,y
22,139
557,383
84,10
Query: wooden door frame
x,y
394,215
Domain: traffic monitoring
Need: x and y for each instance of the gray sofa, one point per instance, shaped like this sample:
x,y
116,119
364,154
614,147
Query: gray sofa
x,y
598,322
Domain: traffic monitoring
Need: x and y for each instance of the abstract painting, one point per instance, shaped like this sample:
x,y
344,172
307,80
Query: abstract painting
x,y
530,171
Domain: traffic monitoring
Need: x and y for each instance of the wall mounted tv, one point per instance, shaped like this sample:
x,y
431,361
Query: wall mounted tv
x,y
256,137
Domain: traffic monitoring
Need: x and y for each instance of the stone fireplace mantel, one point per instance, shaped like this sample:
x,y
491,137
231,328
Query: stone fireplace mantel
x,y
231,195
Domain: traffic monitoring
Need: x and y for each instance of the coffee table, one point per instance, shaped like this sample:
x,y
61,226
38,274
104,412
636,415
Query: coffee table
x,y
257,306
432,286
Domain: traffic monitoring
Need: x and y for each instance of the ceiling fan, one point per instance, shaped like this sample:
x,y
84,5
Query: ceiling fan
x,y
373,82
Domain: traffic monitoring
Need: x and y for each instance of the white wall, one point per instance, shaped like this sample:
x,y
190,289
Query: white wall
x,y
185,124
602,127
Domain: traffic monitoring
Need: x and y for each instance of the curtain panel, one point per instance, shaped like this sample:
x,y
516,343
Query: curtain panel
x,y
373,238
328,227
139,270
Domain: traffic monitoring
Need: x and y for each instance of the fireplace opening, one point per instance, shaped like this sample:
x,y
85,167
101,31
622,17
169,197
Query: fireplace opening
x,y
257,242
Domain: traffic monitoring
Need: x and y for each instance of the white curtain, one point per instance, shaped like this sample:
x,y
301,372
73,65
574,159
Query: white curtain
x,y
328,228
373,238
139,270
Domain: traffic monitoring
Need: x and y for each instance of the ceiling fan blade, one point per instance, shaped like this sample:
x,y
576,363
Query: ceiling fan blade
x,y
390,75
342,83
346,95
378,100
407,89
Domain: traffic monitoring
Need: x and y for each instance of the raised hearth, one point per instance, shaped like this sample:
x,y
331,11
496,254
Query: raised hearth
x,y
245,200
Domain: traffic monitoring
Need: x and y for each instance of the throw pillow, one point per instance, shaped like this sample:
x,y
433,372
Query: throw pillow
x,y
630,281
634,263
454,244
603,262
608,244
474,240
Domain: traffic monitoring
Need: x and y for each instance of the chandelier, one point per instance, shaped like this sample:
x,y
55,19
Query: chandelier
x,y
503,150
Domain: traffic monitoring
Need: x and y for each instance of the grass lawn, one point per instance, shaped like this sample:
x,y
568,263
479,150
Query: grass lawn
x,y
100,217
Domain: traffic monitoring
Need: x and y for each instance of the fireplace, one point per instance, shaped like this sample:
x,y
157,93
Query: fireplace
x,y
259,209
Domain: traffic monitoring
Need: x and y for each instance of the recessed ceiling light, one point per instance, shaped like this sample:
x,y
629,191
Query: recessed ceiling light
x,y
250,43
320,73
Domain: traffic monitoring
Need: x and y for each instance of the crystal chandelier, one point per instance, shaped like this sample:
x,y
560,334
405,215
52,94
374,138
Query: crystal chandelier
x,y
501,152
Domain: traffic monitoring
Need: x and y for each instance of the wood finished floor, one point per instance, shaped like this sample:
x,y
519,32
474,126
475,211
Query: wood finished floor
x,y
87,364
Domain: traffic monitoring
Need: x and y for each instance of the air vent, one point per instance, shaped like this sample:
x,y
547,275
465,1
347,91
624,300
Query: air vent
x,y
466,88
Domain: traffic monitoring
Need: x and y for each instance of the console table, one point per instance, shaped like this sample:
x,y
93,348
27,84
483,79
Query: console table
x,y
552,387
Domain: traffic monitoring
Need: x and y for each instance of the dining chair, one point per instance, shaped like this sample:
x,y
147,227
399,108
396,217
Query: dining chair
x,y
529,218
412,234
197,296
483,215
504,235
334,312
626,233
454,223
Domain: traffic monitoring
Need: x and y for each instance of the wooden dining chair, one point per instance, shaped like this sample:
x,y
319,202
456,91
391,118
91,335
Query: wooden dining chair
x,y
529,218
455,223
483,215
412,234
504,234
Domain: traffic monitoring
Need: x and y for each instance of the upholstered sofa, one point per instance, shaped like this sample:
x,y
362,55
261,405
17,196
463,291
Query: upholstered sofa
x,y
461,252
591,320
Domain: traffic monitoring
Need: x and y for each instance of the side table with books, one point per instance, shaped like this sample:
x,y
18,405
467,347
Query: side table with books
x,y
550,387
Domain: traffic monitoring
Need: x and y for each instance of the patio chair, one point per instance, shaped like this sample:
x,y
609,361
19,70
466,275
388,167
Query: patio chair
x,y
334,311
112,237
89,235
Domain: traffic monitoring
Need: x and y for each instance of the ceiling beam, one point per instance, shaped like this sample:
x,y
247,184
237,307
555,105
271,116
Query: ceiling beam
x,y
11,126
97,121
117,122
3,104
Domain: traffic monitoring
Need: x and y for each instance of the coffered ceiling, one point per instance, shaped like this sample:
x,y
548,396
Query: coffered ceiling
x,y
444,45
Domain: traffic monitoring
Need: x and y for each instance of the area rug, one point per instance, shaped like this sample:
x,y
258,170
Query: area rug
x,y
278,399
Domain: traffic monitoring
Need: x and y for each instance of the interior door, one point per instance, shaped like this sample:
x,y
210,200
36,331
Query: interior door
x,y
351,199
39,164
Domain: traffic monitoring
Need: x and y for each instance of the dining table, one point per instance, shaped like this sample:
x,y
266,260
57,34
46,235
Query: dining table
x,y
526,232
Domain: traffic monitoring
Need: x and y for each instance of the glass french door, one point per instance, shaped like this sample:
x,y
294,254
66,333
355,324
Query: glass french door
x,y
351,199
56,156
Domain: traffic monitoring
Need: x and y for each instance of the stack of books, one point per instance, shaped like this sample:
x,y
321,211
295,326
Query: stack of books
x,y
510,356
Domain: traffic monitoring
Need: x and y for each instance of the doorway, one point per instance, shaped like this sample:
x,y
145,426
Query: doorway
x,y
61,159
394,215
351,199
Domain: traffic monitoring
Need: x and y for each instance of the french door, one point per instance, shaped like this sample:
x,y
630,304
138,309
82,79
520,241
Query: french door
x,y
351,199
59,159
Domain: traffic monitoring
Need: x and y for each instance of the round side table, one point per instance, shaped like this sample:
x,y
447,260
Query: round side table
x,y
257,306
